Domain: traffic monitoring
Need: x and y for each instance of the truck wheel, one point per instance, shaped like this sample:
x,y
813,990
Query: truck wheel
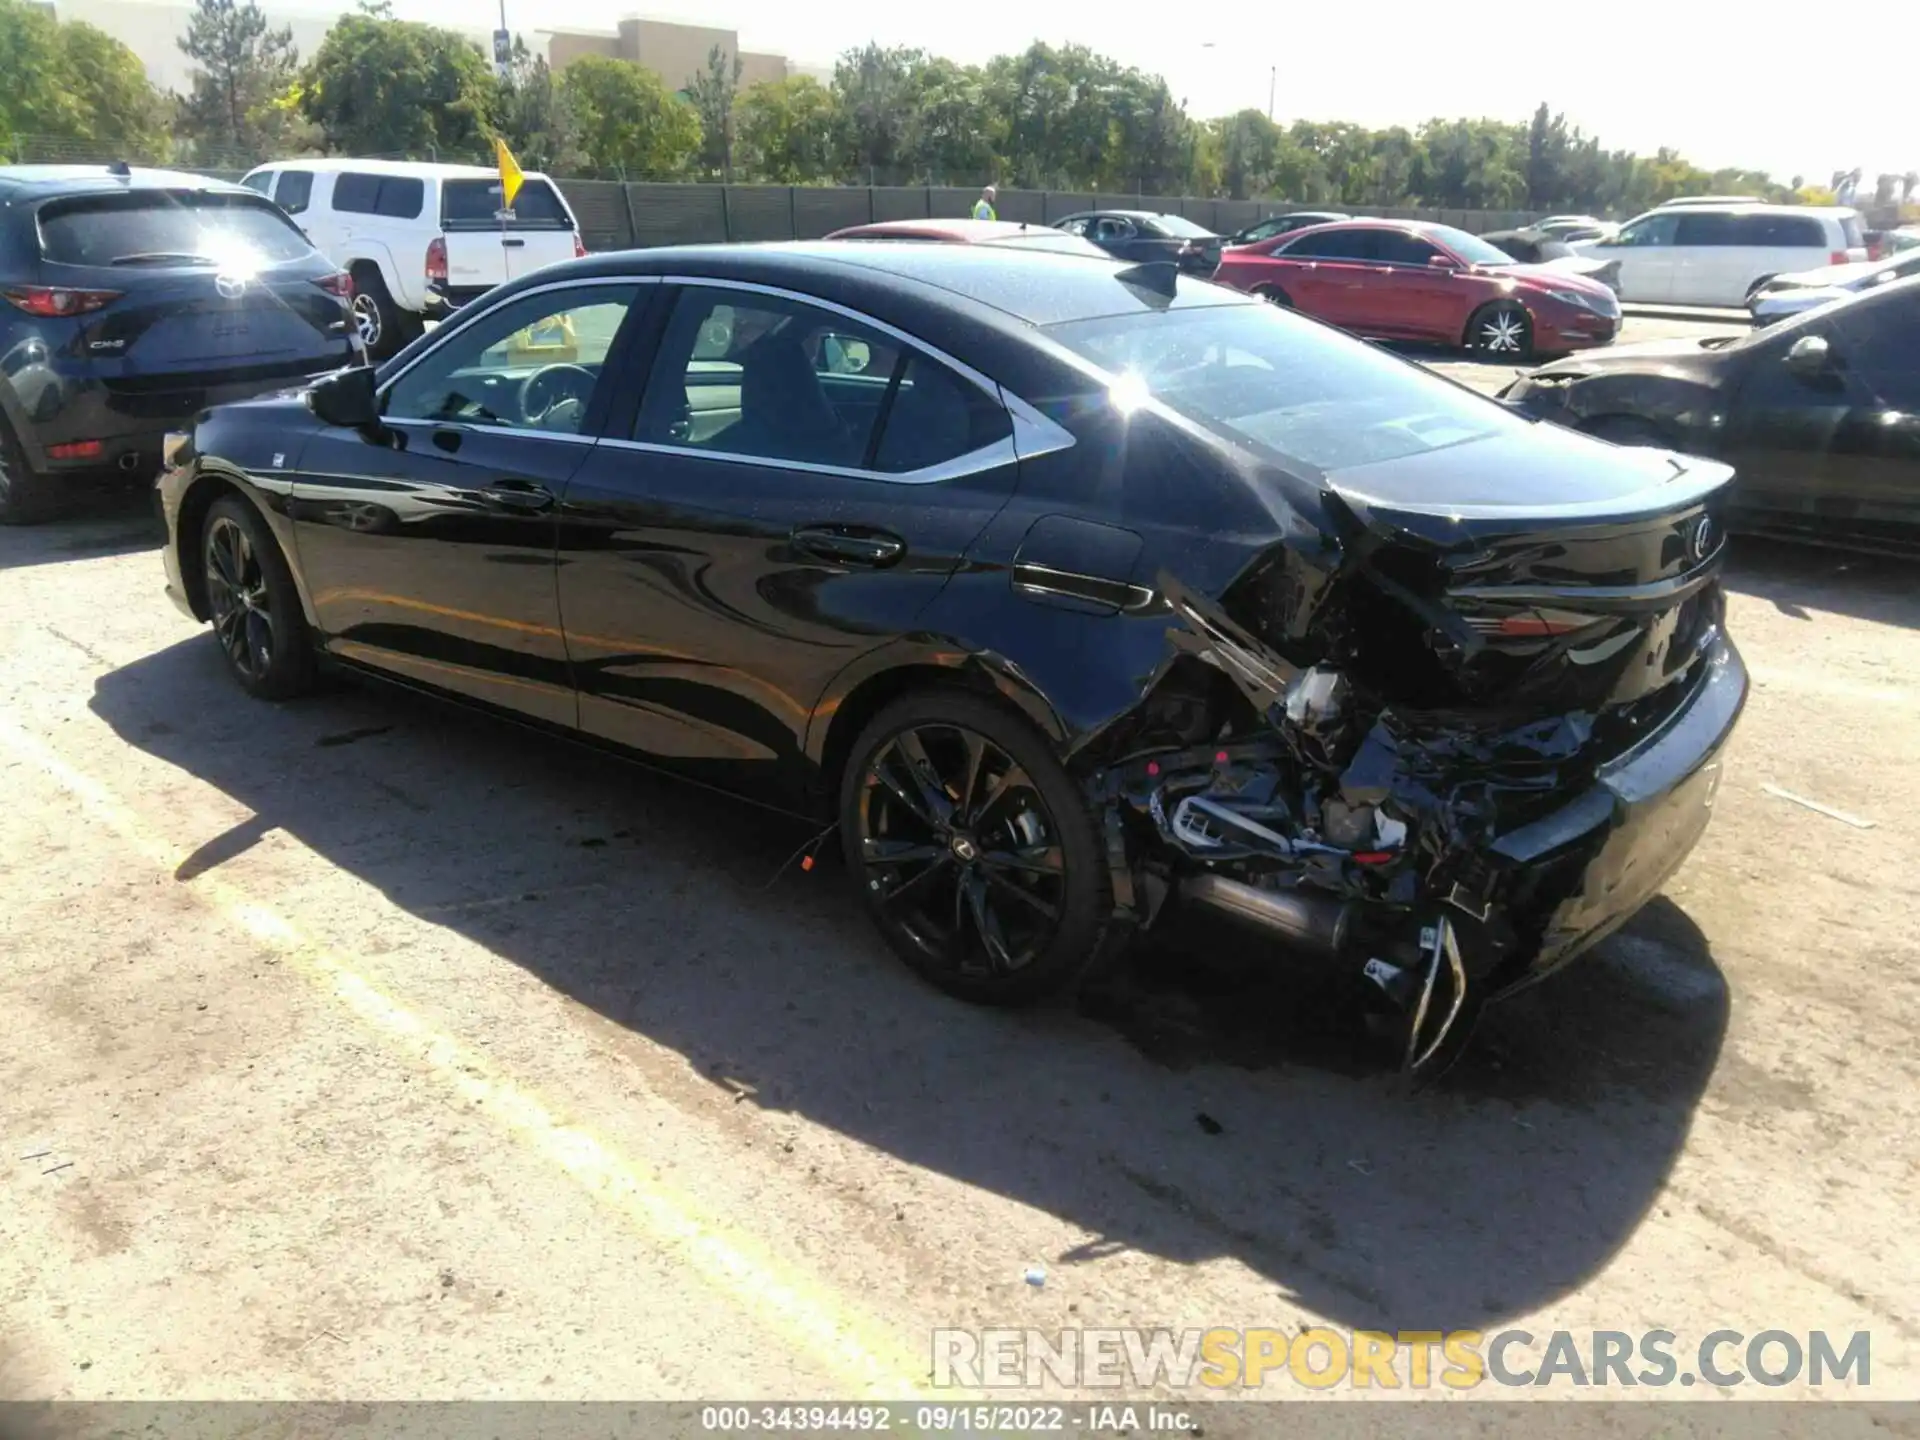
x,y
382,325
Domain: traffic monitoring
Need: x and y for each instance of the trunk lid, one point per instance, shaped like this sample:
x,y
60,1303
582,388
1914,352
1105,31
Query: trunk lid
x,y
488,245
1598,590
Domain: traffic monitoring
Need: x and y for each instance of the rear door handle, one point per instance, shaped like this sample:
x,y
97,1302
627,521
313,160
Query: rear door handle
x,y
848,546
521,495
513,244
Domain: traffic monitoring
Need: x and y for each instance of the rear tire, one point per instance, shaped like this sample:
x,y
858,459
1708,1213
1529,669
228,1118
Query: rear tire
x,y
975,854
1274,295
25,498
1501,331
257,616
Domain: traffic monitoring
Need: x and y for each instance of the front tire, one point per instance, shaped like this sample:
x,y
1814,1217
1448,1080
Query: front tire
x,y
383,327
257,617
1501,331
974,852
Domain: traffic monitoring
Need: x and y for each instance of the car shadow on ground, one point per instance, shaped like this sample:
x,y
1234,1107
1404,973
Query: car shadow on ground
x,y
117,524
1800,579
1198,1106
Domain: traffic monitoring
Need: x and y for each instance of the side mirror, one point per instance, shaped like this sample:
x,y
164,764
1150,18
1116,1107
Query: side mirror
x,y
1811,358
1442,262
346,398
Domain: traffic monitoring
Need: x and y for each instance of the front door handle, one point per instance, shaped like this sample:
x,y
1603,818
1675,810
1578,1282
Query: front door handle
x,y
849,546
521,495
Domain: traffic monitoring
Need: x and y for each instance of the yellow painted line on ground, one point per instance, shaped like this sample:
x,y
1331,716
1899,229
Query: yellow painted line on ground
x,y
854,1348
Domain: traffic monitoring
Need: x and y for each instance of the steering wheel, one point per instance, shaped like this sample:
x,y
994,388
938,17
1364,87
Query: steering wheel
x,y
559,390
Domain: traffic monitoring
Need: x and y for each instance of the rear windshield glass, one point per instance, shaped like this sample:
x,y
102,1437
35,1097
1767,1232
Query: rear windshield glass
x,y
1180,227
476,203
1257,375
160,227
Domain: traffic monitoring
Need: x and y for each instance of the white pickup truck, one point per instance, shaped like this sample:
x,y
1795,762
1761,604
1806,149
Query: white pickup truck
x,y
418,239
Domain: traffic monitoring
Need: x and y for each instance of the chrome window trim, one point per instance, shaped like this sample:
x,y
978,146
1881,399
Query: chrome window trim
x,y
974,462
1034,435
471,427
475,311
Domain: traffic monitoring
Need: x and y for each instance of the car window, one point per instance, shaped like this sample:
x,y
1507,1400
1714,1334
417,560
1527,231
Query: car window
x,y
355,193
294,190
1397,247
1875,339
783,380
1470,248
1180,227
1112,227
1648,230
1074,227
260,181
466,204
1334,245
1708,228
147,227
401,197
1261,377
530,364
1779,230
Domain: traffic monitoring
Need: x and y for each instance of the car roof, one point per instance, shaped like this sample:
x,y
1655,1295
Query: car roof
x,y
1120,214
1036,287
1755,207
425,170
36,182
972,231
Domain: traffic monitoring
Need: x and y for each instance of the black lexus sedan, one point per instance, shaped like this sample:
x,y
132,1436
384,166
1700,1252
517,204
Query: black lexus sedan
x,y
1144,236
1076,595
1819,415
135,298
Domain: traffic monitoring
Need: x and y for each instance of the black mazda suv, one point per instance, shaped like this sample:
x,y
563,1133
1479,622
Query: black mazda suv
x,y
134,300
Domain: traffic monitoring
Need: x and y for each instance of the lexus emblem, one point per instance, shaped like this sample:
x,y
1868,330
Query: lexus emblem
x,y
1701,542
231,287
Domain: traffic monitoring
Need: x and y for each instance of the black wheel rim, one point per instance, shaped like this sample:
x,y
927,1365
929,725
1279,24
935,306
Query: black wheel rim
x,y
960,851
237,596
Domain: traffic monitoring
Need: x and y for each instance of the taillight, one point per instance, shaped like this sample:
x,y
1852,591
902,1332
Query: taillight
x,y
339,283
437,260
56,301
77,450
1836,257
579,247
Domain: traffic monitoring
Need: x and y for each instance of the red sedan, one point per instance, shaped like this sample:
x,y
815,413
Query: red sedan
x,y
1401,280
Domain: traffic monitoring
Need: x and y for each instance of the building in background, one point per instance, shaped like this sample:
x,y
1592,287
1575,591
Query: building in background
x,y
673,51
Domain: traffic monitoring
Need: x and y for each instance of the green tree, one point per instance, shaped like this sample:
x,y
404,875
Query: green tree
x,y
627,120
380,86
241,66
712,94
117,102
789,130
872,86
952,128
531,113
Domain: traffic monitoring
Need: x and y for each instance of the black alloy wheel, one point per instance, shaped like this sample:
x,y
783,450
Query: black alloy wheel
x,y
974,852
253,605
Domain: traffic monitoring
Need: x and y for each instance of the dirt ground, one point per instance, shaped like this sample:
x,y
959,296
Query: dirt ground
x,y
360,1048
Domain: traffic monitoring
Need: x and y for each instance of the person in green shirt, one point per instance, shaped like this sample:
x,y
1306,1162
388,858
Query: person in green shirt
x,y
983,207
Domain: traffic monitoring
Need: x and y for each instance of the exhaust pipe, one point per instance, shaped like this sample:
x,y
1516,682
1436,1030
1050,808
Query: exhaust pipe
x,y
1309,922
130,461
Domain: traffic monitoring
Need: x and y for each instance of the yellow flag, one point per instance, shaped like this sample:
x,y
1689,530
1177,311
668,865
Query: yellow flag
x,y
510,176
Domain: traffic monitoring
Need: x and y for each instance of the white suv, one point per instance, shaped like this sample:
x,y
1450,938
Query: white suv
x,y
1709,253
419,240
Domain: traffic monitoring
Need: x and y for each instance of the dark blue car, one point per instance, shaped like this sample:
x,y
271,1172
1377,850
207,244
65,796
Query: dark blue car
x,y
134,300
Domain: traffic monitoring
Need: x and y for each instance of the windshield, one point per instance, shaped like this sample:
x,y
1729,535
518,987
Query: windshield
x,y
1181,228
1470,248
1304,393
166,227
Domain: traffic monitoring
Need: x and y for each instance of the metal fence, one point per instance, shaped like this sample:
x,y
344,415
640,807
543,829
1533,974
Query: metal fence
x,y
614,216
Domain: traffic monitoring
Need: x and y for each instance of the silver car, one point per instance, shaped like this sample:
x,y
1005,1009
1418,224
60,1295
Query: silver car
x,y
1794,294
